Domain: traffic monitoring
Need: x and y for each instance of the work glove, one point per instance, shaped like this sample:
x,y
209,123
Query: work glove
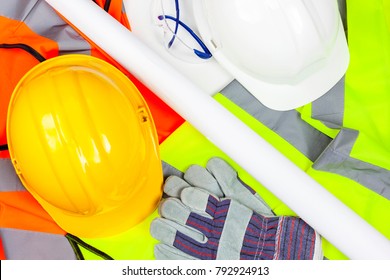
x,y
200,221
221,180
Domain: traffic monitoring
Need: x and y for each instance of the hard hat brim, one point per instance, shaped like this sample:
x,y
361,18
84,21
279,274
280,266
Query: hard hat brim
x,y
142,204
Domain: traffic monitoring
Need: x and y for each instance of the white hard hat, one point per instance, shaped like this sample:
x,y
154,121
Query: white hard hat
x,y
287,53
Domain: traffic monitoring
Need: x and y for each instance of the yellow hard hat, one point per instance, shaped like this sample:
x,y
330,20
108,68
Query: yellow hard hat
x,y
84,144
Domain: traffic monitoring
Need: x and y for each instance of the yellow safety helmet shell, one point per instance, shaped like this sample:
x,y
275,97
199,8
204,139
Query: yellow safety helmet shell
x,y
83,143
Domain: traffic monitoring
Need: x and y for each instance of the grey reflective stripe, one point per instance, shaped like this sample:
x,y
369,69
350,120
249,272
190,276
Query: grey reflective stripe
x,y
19,9
287,124
329,108
32,245
9,181
336,159
43,20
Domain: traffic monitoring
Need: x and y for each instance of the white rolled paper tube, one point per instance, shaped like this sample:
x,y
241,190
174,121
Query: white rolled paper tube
x,y
351,234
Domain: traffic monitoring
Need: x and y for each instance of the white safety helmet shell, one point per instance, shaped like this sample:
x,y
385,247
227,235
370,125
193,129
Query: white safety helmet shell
x,y
286,53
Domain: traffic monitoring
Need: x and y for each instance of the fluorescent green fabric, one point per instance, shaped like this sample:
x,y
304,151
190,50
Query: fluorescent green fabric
x,y
367,103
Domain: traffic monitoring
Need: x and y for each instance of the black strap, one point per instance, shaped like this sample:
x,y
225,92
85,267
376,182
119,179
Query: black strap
x,y
3,147
76,249
107,5
75,242
26,48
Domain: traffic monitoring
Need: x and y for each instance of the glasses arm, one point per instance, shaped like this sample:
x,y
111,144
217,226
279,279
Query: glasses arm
x,y
205,53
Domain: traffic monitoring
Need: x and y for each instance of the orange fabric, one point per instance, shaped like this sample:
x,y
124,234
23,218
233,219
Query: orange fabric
x,y
4,154
115,10
28,215
14,62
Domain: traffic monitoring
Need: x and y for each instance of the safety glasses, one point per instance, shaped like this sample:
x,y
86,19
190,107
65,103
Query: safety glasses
x,y
178,37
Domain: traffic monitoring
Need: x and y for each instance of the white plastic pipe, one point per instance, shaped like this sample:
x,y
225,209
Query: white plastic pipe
x,y
331,218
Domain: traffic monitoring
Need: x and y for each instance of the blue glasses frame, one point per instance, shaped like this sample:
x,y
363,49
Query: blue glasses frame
x,y
204,53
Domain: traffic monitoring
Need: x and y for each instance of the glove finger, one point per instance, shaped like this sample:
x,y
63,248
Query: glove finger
x,y
174,185
173,209
234,188
165,231
199,200
183,238
227,177
199,177
258,205
166,252
187,215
